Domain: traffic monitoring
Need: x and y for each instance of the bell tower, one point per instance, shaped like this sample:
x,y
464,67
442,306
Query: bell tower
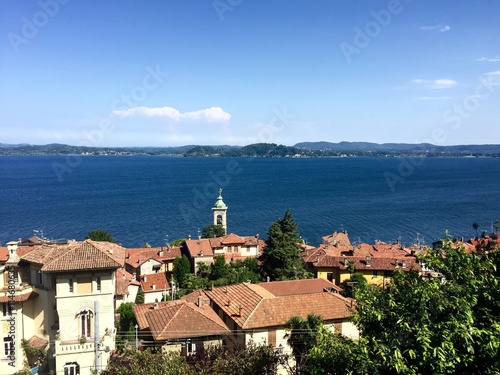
x,y
219,210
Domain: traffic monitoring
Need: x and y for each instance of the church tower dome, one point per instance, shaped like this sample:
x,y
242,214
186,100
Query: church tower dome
x,y
219,210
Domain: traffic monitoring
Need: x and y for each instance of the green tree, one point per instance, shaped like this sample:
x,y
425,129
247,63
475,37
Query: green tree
x,y
182,268
127,316
100,235
355,283
211,231
446,323
148,363
219,269
177,242
302,337
475,226
335,354
254,359
281,257
496,224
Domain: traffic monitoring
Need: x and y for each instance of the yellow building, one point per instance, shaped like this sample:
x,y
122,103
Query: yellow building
x,y
64,304
336,260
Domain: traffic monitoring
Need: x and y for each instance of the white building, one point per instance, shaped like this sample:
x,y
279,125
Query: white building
x,y
64,297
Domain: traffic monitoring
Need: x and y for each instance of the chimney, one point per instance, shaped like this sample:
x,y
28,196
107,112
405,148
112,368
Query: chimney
x,y
145,278
200,301
404,264
346,262
368,261
189,236
268,279
12,250
153,286
160,253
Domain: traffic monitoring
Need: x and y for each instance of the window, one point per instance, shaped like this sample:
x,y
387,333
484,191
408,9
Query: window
x,y
71,286
190,348
98,283
375,273
40,278
56,315
85,318
8,345
7,309
72,368
84,286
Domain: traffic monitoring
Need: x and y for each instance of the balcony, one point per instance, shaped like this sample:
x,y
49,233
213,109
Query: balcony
x,y
74,346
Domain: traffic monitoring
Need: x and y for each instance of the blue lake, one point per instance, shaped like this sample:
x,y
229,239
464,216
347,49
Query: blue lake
x,y
144,199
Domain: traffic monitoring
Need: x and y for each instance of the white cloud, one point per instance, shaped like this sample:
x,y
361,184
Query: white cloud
x,y
489,59
441,28
211,114
442,83
492,78
435,97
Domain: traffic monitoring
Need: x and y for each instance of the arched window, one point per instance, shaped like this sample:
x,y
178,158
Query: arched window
x,y
85,323
219,219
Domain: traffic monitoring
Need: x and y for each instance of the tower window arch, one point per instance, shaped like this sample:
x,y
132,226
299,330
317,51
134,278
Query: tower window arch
x,y
85,318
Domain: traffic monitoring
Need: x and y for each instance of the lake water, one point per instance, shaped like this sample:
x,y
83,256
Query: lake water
x,y
145,199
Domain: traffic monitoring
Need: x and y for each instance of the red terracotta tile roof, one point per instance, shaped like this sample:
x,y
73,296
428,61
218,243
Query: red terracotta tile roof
x,y
337,239
154,282
142,309
75,256
123,280
306,286
18,298
37,342
193,297
183,319
4,254
135,257
252,306
378,264
199,247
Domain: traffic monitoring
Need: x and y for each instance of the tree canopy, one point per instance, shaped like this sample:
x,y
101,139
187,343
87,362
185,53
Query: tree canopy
x,y
446,323
211,231
281,257
182,268
99,235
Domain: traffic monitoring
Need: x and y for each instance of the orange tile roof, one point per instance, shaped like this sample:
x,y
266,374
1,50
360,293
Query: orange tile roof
x,y
142,309
18,298
123,280
252,306
337,239
199,247
379,264
154,282
184,320
4,254
37,342
306,286
135,257
193,296
77,256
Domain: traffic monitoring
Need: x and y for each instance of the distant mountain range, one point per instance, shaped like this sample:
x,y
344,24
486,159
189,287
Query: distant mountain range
x,y
303,149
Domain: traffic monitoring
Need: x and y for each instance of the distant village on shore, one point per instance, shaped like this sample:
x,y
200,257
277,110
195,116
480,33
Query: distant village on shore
x,y
60,300
299,150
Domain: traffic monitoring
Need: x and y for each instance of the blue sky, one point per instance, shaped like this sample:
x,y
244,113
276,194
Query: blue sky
x,y
168,73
